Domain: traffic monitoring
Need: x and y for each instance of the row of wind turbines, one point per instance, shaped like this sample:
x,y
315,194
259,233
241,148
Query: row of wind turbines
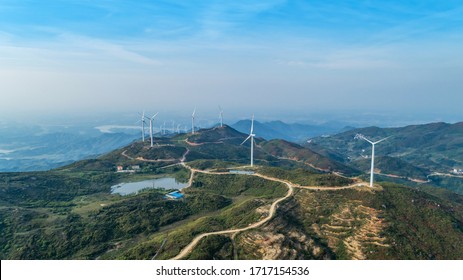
x,y
151,120
250,136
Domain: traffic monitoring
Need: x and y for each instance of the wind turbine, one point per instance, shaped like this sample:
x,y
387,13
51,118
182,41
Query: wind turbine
x,y
360,136
193,121
151,127
251,136
142,126
221,116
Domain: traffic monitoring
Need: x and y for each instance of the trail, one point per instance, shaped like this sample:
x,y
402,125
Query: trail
x,y
124,153
303,162
445,175
404,177
160,248
185,251
272,211
320,188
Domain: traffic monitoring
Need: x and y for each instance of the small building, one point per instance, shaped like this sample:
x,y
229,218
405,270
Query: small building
x,y
175,195
135,167
120,169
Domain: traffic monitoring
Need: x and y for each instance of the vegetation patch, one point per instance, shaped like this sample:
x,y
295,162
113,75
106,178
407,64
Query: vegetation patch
x,y
235,185
305,177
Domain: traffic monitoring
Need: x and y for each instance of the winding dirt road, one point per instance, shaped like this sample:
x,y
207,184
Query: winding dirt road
x,y
272,211
185,251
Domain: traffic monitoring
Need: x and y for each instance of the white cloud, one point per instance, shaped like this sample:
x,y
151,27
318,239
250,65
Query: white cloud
x,y
102,47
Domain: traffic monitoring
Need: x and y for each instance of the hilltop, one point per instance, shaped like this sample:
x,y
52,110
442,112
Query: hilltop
x,y
295,203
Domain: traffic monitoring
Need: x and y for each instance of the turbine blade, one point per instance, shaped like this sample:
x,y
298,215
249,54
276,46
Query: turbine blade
x,y
361,136
382,140
252,124
245,140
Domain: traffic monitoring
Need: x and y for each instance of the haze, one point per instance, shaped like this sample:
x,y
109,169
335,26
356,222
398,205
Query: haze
x,y
293,57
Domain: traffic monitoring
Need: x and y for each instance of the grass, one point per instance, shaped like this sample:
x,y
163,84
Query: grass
x,y
215,247
234,185
305,177
234,216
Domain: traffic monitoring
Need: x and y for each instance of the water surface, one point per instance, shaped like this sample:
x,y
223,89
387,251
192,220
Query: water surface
x,y
167,183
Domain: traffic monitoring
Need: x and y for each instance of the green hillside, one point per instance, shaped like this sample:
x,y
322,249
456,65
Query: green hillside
x,y
436,146
393,166
71,213
288,150
415,152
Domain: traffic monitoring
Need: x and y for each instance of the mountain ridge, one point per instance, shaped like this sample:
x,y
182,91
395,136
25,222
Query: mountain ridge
x,y
70,212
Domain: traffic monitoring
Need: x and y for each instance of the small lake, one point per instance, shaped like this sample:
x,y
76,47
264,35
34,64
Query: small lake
x,y
242,172
167,183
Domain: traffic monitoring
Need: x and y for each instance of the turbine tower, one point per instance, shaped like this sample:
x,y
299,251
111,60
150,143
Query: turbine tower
x,y
360,136
251,136
193,121
221,116
151,127
142,126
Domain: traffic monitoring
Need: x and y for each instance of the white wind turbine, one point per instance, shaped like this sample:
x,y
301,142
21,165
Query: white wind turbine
x,y
193,121
151,127
360,136
221,116
251,136
142,126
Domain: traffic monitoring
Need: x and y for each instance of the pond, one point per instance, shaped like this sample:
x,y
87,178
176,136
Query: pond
x,y
242,172
167,183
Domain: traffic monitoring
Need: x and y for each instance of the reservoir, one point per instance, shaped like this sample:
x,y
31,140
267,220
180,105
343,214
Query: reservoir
x,y
167,183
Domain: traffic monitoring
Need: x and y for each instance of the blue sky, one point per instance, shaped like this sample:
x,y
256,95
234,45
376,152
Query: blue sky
x,y
304,56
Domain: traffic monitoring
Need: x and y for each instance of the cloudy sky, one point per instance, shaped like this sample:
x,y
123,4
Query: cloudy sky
x,y
300,56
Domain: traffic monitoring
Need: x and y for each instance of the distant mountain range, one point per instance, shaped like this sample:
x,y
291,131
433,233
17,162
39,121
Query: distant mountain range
x,y
51,150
